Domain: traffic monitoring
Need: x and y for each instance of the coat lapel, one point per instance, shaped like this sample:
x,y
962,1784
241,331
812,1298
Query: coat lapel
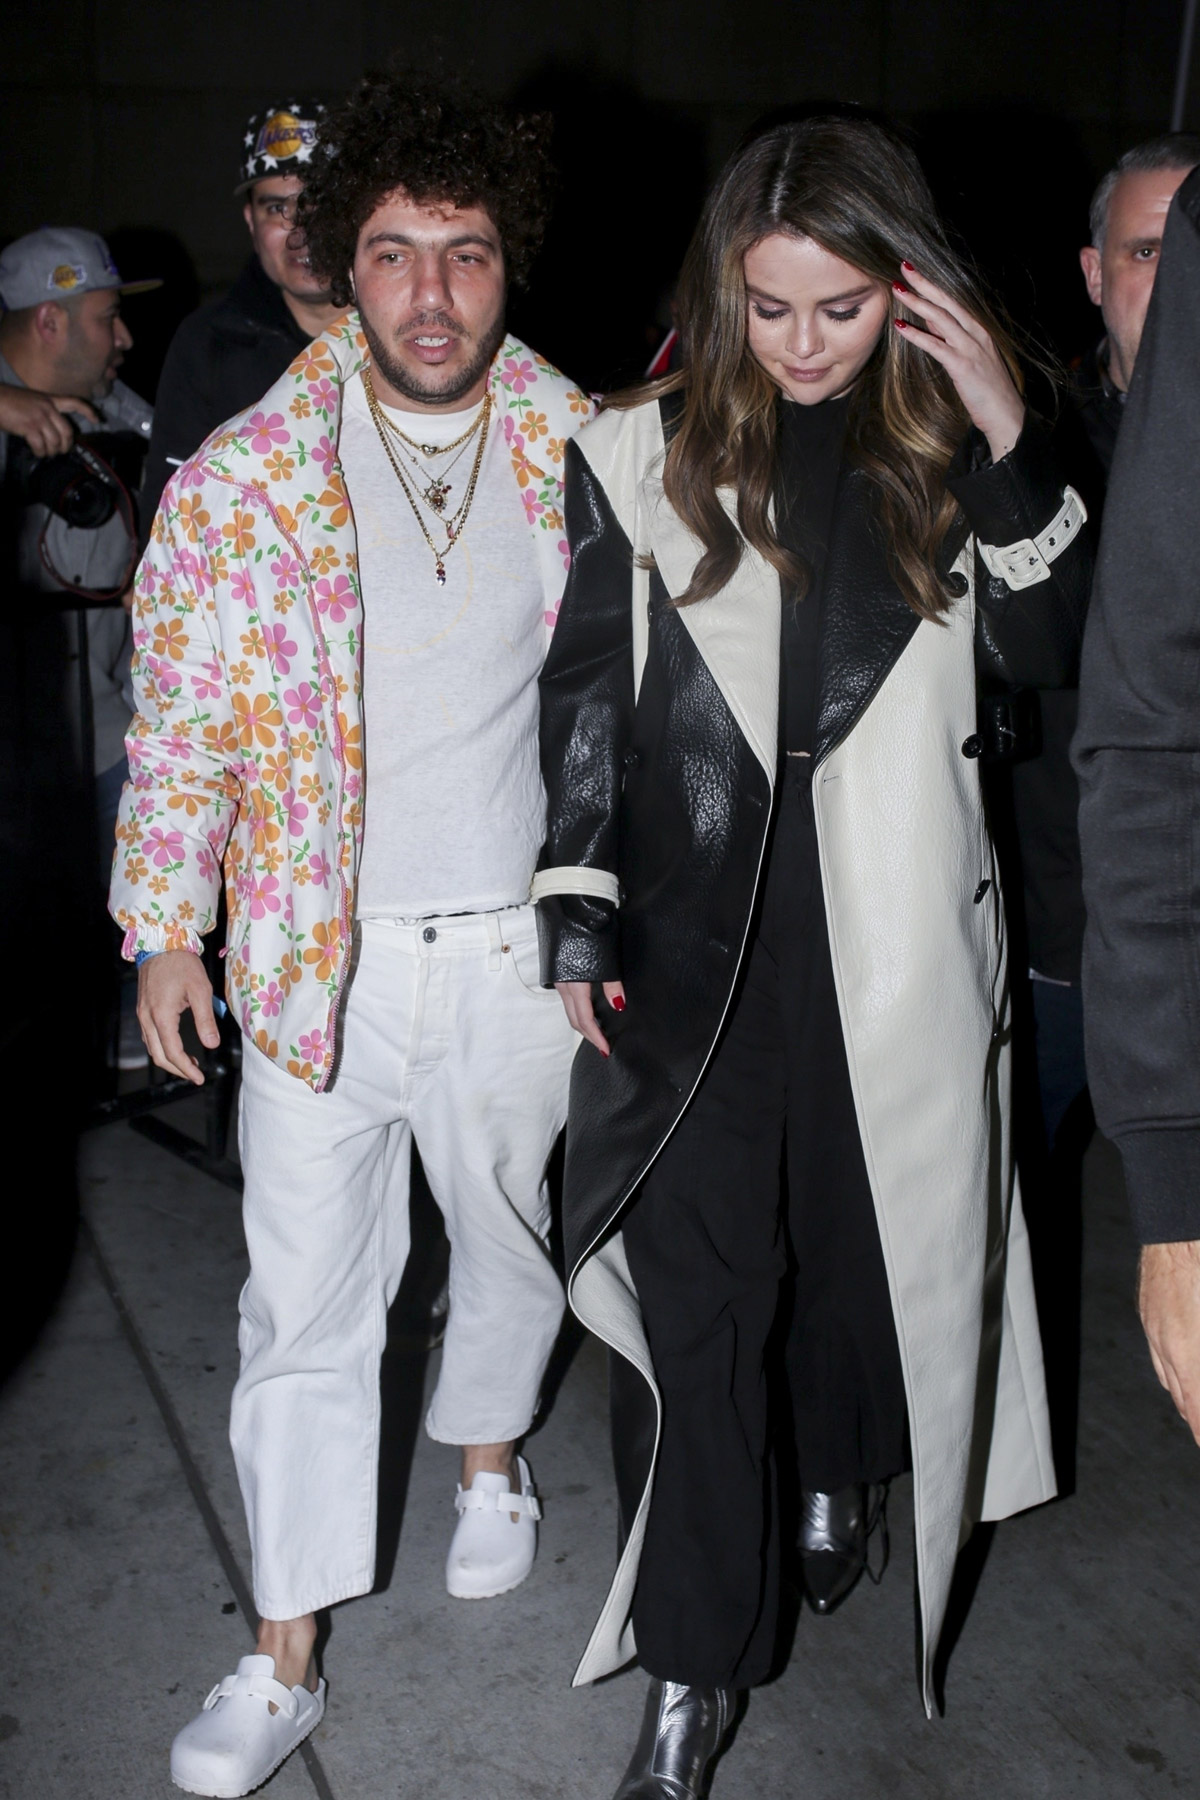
x,y
866,623
736,631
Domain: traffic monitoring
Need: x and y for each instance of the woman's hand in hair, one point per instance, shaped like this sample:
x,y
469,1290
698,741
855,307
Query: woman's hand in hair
x,y
577,999
949,334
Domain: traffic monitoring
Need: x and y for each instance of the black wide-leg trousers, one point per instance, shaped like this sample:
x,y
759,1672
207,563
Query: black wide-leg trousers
x,y
708,1240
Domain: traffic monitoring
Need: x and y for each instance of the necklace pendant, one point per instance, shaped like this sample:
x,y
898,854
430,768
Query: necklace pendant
x,y
440,573
436,494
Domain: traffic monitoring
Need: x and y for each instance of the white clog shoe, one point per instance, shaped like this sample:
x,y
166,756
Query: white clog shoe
x,y
491,1552
236,1741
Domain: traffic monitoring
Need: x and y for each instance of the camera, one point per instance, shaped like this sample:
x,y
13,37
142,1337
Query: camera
x,y
83,485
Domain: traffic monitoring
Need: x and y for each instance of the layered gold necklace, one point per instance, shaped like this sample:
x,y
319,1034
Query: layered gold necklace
x,y
436,488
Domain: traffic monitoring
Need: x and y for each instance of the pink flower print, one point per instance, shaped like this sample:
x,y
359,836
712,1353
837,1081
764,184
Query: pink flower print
x,y
324,455
212,536
304,705
551,618
517,375
510,431
286,569
265,431
270,1000
242,587
145,807
280,647
353,786
312,1047
533,506
208,686
264,896
320,868
322,393
206,865
296,811
163,847
335,598
191,475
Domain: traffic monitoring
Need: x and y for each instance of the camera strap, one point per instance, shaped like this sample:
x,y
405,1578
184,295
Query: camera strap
x,y
96,466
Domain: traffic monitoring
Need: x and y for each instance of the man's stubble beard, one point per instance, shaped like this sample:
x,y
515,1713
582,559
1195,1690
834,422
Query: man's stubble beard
x,y
402,381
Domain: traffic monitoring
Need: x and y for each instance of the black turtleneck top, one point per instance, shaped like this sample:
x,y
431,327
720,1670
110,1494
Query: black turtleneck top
x,y
809,461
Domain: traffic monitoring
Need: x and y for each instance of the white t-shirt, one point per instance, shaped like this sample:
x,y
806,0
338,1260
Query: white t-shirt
x,y
454,810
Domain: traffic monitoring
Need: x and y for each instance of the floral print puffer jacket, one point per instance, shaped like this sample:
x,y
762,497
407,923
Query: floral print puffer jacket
x,y
246,751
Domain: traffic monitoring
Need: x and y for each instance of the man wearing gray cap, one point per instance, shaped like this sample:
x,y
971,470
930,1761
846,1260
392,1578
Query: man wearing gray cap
x,y
226,355
62,341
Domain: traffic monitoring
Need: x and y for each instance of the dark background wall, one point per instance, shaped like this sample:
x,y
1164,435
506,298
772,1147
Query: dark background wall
x,y
126,115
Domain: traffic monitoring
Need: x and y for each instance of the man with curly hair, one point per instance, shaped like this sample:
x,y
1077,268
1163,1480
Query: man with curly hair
x,y
340,623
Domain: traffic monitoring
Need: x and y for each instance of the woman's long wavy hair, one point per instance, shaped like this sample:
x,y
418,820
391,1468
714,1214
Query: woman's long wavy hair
x,y
854,188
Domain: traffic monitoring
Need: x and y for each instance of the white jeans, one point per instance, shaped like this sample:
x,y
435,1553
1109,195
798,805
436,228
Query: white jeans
x,y
445,1037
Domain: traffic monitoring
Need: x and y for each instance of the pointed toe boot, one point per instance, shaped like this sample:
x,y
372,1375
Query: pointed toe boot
x,y
833,1544
682,1731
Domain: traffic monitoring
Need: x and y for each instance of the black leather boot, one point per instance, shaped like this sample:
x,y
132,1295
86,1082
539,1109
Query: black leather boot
x,y
833,1544
682,1729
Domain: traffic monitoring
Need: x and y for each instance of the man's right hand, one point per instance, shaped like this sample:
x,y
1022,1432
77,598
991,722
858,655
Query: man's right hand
x,y
168,986
41,419
1169,1302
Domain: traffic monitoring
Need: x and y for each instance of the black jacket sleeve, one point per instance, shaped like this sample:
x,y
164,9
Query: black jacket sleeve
x,y
587,716
183,412
1028,636
1137,754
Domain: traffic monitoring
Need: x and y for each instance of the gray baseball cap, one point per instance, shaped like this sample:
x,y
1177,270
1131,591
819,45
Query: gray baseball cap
x,y
56,263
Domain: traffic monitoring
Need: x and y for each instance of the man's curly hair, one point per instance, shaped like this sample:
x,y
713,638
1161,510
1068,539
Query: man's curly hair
x,y
438,140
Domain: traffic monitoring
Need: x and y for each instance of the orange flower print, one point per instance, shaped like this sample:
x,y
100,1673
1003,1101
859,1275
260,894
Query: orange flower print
x,y
256,719
135,868
301,406
288,519
289,971
579,403
334,497
325,558
280,467
303,747
252,642
556,449
311,788
171,639
187,802
221,740
534,426
240,530
326,947
186,910
192,516
351,743
267,1045
276,772
158,884
241,673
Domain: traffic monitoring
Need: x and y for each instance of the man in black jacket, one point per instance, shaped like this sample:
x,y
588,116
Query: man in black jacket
x,y
224,356
1126,220
1137,755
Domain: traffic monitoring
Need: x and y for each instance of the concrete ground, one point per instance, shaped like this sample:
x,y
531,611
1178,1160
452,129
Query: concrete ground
x,y
1076,1669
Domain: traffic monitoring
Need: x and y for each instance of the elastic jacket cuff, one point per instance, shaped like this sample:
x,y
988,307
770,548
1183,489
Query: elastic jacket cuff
x,y
1162,1180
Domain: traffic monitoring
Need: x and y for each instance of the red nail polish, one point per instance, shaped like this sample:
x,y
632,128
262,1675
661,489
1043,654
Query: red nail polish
x,y
618,1003
899,287
900,324
910,266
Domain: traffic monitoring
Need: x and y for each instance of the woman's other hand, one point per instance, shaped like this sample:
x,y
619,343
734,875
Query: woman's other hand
x,y
965,350
576,997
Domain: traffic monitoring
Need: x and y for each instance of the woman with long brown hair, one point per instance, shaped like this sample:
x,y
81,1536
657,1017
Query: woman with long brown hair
x,y
769,901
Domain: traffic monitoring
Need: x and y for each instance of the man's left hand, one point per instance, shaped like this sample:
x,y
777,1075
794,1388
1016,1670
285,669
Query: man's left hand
x,y
1169,1302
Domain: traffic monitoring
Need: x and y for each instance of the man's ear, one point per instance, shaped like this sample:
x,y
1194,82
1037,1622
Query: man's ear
x,y
51,323
1090,263
248,215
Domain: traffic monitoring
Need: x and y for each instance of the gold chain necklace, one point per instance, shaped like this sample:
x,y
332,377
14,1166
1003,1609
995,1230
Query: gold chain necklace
x,y
437,488
456,524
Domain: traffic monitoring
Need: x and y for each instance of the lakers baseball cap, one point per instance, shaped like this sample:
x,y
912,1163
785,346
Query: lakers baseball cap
x,y
56,263
279,141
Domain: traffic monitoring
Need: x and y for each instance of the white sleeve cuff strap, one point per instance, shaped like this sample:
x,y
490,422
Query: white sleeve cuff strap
x,y
1028,561
598,884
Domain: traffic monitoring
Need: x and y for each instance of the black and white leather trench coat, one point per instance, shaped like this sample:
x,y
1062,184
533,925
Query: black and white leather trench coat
x,y
659,747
